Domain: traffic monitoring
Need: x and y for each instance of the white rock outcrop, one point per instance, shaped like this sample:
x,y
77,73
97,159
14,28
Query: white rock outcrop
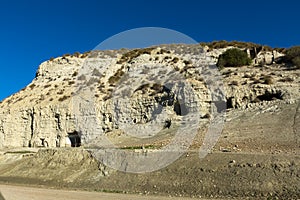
x,y
73,100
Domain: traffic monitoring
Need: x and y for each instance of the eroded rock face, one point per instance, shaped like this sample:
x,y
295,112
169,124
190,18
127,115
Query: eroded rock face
x,y
71,94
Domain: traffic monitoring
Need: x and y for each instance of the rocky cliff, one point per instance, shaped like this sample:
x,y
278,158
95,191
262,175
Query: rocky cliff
x,y
75,98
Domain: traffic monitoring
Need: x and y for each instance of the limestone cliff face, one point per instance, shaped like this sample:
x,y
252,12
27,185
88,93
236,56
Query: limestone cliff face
x,y
71,94
40,111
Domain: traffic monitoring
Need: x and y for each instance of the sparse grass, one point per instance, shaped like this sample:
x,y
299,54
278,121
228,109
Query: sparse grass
x,y
129,56
237,44
116,77
112,191
18,152
138,147
92,81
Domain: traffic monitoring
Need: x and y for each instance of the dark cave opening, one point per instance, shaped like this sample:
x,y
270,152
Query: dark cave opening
x,y
180,109
229,102
75,139
268,96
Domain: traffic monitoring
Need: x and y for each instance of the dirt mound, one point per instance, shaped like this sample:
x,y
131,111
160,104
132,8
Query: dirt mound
x,y
55,166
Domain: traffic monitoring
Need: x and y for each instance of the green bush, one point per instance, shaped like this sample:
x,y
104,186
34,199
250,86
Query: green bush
x,y
293,56
233,58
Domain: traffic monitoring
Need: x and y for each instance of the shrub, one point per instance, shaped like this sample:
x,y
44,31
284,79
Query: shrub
x,y
175,60
233,58
129,56
32,86
66,55
293,56
85,54
234,83
46,86
268,80
75,73
76,54
63,98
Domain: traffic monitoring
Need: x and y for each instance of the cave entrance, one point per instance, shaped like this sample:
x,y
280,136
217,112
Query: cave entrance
x,y
229,102
75,139
180,109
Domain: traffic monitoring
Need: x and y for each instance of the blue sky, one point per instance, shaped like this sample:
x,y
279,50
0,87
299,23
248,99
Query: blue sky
x,y
33,31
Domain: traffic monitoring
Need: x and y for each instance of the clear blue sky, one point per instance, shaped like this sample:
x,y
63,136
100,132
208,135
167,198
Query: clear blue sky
x,y
32,31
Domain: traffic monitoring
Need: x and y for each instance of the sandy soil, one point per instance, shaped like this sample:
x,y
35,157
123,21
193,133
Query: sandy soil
x,y
10,192
257,156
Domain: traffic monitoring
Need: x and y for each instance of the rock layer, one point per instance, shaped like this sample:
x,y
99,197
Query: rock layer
x,y
73,100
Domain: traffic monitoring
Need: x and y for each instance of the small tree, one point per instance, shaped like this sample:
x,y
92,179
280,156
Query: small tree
x,y
293,56
233,58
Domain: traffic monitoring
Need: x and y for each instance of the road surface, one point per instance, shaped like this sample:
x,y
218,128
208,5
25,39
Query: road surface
x,y
28,193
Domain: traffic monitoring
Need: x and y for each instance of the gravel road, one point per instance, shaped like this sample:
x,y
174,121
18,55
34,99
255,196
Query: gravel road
x,y
28,193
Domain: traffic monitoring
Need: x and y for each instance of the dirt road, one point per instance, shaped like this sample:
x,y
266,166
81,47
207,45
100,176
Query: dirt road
x,y
28,193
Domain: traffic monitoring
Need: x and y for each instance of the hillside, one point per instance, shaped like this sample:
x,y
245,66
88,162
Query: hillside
x,y
46,108
153,110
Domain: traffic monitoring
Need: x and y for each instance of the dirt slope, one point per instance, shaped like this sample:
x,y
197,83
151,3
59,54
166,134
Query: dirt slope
x,y
256,156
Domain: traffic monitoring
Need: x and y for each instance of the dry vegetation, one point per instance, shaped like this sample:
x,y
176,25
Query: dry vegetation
x,y
127,57
237,44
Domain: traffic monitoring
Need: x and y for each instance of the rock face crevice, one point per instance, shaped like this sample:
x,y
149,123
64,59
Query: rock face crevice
x,y
31,128
296,124
71,94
